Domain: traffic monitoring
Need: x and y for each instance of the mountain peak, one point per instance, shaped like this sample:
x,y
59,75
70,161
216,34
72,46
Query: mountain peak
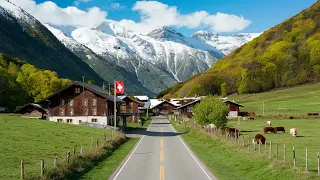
x,y
204,35
113,29
165,33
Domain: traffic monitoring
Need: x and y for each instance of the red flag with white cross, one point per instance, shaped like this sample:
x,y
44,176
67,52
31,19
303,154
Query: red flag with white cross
x,y
119,87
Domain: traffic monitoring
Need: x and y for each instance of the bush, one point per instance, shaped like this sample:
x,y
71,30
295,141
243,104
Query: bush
x,y
211,110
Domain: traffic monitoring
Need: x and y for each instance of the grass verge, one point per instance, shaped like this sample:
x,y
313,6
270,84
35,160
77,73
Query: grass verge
x,y
108,166
228,162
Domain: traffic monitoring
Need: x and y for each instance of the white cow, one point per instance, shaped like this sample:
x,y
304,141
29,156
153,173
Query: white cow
x,y
269,123
293,132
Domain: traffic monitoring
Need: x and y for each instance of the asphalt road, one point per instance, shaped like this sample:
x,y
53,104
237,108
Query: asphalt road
x,y
162,154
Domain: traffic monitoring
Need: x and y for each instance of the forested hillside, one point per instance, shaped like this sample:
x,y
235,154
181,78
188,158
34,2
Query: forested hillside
x,y
21,83
285,55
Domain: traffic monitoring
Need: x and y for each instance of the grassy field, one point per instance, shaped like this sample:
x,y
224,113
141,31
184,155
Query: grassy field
x,y
34,139
296,100
108,166
227,161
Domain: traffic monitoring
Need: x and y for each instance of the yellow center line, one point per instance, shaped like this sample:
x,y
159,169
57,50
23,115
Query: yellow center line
x,y
161,143
161,172
161,156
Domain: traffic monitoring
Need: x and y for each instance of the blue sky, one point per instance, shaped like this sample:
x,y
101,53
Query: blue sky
x,y
263,14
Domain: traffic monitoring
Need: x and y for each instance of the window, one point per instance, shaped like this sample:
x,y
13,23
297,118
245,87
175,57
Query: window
x,y
189,109
86,112
61,102
59,120
61,111
69,120
85,102
77,90
94,102
71,102
94,120
71,112
94,112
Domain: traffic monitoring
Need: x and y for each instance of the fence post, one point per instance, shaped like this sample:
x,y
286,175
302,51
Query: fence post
x,y
306,159
242,140
68,156
105,137
42,168
55,161
249,142
294,157
254,147
74,151
277,151
284,152
270,151
22,169
318,164
97,143
81,150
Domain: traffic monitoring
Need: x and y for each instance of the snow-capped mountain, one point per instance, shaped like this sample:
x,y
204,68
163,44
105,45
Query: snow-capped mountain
x,y
158,59
225,44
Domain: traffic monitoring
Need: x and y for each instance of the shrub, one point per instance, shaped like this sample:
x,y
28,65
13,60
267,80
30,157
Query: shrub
x,y
211,110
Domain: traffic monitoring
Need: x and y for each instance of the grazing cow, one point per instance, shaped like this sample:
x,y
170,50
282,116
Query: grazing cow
x,y
268,123
210,127
251,114
232,132
269,129
279,129
293,132
251,118
259,139
313,114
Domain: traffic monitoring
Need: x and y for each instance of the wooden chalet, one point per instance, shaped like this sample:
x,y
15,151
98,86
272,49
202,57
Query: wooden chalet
x,y
187,109
161,107
234,108
130,108
81,103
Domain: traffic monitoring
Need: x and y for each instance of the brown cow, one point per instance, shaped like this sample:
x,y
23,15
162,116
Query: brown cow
x,y
259,139
279,129
232,132
267,129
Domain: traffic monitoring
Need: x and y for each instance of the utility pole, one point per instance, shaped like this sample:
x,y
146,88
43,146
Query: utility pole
x,y
83,95
109,90
103,85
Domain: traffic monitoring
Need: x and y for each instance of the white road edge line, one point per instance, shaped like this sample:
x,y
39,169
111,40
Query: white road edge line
x,y
131,154
190,152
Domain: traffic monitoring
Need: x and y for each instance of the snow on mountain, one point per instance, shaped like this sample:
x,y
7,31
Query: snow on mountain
x,y
9,9
225,44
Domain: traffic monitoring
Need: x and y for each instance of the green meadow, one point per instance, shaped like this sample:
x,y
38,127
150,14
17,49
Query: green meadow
x,y
34,139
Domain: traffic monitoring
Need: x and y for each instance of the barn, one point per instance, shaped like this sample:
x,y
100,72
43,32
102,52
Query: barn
x,y
32,110
234,108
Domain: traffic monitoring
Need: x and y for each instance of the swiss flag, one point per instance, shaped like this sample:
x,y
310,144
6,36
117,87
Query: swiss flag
x,y
119,87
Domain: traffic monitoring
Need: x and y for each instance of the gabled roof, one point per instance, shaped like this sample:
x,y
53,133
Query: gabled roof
x,y
190,103
228,101
142,98
156,102
135,100
93,88
37,106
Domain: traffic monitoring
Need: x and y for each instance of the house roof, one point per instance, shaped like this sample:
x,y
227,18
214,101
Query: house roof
x,y
142,98
228,101
190,103
123,97
93,88
156,102
37,106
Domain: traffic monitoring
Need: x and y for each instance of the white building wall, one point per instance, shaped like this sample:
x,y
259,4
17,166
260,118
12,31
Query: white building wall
x,y
84,119
233,114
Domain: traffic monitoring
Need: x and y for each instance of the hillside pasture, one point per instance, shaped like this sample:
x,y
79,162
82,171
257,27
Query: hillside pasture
x,y
34,139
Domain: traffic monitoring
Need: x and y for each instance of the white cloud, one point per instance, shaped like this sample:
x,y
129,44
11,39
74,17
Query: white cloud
x,y
49,12
117,6
155,14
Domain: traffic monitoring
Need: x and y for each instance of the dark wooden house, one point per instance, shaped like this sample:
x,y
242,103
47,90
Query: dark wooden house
x,y
187,109
162,107
234,108
130,108
81,103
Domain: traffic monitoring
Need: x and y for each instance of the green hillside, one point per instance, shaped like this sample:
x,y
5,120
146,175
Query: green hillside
x,y
285,55
23,83
293,101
